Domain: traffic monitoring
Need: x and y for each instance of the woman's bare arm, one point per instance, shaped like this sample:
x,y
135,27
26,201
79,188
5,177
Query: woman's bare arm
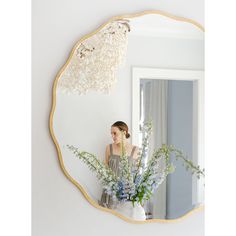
x,y
107,154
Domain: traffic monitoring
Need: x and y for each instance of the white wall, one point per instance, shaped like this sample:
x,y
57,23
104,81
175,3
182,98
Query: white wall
x,y
58,206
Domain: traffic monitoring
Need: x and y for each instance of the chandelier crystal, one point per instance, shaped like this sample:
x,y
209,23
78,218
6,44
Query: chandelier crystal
x,y
95,62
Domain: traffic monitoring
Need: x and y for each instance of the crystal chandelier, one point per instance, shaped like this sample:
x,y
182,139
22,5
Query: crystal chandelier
x,y
95,62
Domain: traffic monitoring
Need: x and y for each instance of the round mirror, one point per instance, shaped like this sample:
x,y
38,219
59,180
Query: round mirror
x,y
134,69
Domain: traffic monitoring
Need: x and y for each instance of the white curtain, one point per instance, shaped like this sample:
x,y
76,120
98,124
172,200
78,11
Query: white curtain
x,y
155,108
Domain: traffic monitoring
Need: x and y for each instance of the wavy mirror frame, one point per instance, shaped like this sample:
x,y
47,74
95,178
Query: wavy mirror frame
x,y
89,199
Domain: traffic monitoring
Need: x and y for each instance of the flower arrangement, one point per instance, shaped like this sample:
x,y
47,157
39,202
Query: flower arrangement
x,y
137,183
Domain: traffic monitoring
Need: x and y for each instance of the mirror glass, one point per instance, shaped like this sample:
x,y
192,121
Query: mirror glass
x,y
171,105
153,70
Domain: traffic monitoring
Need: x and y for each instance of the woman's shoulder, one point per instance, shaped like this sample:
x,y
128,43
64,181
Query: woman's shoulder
x,y
135,151
108,146
135,147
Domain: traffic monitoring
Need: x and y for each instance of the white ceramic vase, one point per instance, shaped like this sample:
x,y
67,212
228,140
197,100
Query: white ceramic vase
x,y
135,212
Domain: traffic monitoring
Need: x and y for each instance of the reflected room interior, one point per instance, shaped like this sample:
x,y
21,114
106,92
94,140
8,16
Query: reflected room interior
x,y
152,69
170,105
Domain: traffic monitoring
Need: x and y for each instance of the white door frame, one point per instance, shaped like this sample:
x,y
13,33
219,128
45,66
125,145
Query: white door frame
x,y
198,89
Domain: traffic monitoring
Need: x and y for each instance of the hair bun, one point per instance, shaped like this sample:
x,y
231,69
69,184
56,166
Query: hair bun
x,y
122,126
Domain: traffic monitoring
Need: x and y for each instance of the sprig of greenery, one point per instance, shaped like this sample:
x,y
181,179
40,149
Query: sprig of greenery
x,y
140,185
126,181
146,130
125,168
154,174
189,165
104,173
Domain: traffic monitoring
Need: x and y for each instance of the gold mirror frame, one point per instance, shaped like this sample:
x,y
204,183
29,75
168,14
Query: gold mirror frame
x,y
89,199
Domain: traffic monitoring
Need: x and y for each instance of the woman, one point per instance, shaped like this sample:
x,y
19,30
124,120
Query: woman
x,y
113,152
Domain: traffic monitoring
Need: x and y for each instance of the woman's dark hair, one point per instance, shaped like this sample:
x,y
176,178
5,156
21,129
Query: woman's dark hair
x,y
122,126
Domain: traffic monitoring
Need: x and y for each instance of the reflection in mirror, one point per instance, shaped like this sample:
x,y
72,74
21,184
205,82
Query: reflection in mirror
x,y
170,105
112,75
